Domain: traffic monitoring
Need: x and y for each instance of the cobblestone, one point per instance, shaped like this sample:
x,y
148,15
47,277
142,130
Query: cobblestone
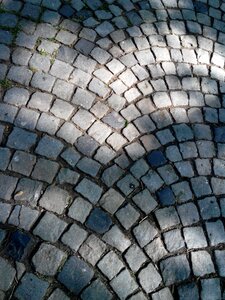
x,y
112,148
75,274
99,221
102,291
48,259
10,273
8,184
89,190
110,265
43,229
111,201
96,246
58,294
55,199
31,286
45,170
49,147
202,263
210,288
215,231
145,233
22,163
117,239
28,190
175,269
149,273
124,284
74,237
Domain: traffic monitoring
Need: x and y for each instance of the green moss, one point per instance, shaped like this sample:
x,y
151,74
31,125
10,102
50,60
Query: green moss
x,y
15,30
33,69
6,84
126,123
43,52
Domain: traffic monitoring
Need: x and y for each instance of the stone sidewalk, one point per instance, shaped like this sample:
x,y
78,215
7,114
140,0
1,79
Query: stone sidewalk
x,y
112,156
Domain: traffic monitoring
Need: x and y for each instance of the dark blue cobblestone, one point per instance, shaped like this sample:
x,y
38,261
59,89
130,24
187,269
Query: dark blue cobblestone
x,y
99,221
156,159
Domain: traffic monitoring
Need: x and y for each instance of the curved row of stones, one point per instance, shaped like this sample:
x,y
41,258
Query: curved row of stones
x,y
112,149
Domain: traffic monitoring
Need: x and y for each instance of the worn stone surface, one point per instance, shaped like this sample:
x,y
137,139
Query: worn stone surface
x,y
48,259
112,149
75,275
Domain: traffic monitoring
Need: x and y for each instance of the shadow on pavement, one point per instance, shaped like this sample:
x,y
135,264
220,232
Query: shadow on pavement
x,y
112,149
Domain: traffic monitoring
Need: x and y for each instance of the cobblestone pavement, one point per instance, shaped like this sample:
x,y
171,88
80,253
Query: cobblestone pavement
x,y
112,157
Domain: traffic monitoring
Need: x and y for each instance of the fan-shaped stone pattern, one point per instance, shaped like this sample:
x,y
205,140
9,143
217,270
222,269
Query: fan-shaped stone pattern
x,y
112,149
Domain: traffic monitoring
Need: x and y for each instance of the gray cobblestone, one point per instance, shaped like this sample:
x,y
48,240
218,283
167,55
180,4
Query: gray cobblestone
x,y
43,81
174,240
201,186
55,199
90,190
5,154
83,46
86,65
45,170
167,217
219,254
44,228
74,237
111,201
31,285
124,284
22,163
66,37
152,181
48,259
88,166
83,119
156,250
27,118
80,209
175,269
117,239
104,155
39,62
115,82
127,216
62,110
21,139
202,263
16,96
110,265
92,249
209,208
188,214
80,78
58,295
151,273
63,89
40,101
145,201
10,273
48,124
83,98
145,233
135,257
69,132
216,233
